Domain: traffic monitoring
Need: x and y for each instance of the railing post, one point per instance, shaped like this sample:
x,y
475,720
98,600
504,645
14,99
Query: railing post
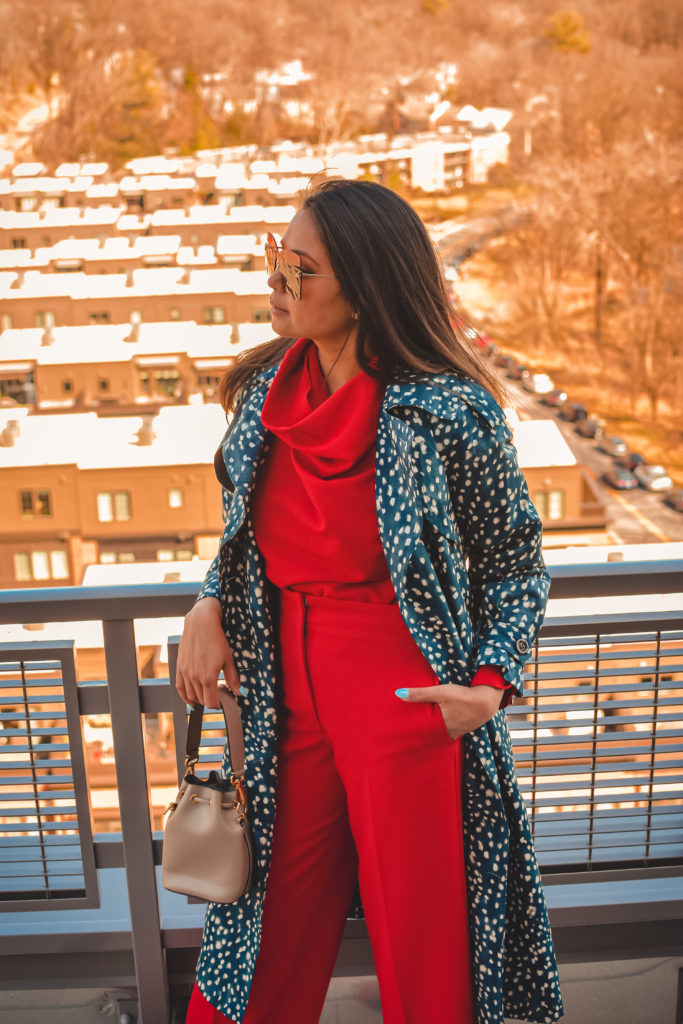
x,y
131,776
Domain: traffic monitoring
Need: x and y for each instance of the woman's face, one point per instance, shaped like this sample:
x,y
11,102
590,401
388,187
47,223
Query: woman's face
x,y
322,313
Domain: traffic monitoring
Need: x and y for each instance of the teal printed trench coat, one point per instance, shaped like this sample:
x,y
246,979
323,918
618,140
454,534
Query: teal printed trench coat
x,y
463,546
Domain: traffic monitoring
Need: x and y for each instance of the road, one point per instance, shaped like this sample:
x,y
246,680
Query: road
x,y
633,517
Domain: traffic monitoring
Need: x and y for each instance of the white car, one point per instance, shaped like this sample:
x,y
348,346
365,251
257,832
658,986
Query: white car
x,y
653,478
538,383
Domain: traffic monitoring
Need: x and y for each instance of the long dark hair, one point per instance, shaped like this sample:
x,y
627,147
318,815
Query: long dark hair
x,y
388,270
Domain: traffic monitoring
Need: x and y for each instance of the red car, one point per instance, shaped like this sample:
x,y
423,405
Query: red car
x,y
620,479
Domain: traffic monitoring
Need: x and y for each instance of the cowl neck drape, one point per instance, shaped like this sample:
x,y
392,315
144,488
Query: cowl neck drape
x,y
313,505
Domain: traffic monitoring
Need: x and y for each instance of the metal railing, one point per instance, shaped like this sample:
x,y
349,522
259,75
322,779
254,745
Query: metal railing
x,y
597,742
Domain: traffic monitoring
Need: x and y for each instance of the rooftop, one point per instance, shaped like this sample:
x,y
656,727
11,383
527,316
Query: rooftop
x,y
183,435
137,281
108,342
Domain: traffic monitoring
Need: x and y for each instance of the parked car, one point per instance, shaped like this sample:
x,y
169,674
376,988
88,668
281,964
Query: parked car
x,y
517,371
630,460
653,478
590,427
486,346
613,446
504,362
674,499
620,479
537,383
556,397
573,411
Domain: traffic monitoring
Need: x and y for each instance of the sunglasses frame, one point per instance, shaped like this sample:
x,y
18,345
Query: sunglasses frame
x,y
288,263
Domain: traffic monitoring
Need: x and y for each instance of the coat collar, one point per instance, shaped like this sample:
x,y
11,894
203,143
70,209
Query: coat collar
x,y
433,393
440,395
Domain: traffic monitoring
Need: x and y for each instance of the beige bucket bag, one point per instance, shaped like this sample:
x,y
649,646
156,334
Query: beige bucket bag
x,y
208,842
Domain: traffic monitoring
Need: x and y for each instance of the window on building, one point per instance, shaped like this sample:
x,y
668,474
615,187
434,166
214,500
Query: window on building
x,y
6,322
208,384
107,558
176,498
214,314
44,318
166,382
261,316
99,318
175,555
174,314
35,503
41,565
550,504
113,506
26,204
103,384
22,566
125,556
18,243
59,565
67,386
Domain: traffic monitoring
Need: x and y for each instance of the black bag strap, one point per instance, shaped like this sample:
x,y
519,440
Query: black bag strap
x,y
233,728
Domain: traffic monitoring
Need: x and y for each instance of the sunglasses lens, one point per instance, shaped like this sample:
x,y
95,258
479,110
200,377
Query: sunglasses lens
x,y
292,278
283,261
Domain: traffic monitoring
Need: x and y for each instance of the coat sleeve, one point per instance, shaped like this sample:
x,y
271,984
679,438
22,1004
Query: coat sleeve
x,y
211,585
501,536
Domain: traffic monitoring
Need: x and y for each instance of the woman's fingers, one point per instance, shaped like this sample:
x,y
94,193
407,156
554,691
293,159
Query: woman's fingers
x,y
422,694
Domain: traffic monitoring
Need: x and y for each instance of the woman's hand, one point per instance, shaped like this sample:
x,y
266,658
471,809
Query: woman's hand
x,y
464,708
203,652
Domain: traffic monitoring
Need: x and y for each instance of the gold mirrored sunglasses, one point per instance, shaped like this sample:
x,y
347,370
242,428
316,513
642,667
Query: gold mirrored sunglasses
x,y
288,263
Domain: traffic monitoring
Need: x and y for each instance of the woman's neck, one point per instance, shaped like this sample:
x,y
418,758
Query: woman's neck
x,y
338,364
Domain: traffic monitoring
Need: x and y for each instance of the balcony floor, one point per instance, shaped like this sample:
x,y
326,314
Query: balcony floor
x,y
614,992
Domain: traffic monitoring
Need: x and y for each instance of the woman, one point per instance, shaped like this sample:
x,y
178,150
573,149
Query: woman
x,y
378,587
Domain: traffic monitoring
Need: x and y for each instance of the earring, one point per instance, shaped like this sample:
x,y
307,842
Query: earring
x,y
355,316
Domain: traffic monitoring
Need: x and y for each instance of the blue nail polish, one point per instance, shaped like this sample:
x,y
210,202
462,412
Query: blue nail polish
x,y
243,691
402,693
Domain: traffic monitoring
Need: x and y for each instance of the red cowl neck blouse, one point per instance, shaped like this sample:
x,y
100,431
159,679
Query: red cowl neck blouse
x,y
313,503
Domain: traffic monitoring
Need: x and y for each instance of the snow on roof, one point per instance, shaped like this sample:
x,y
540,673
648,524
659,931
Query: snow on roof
x,y
137,282
540,443
238,245
154,183
488,117
204,255
26,186
288,186
205,171
153,165
105,343
133,222
184,435
64,217
214,213
231,177
73,170
103,190
21,258
28,170
115,247
128,573
270,215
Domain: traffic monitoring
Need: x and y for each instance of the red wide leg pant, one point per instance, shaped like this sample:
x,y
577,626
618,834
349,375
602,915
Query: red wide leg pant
x,y
367,784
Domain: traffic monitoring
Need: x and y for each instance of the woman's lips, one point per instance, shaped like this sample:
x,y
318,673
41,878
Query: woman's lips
x,y
277,309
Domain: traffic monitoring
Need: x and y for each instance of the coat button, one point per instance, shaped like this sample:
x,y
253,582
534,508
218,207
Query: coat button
x,y
522,646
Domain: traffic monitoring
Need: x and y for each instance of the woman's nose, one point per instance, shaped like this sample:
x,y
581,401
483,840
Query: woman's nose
x,y
275,281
